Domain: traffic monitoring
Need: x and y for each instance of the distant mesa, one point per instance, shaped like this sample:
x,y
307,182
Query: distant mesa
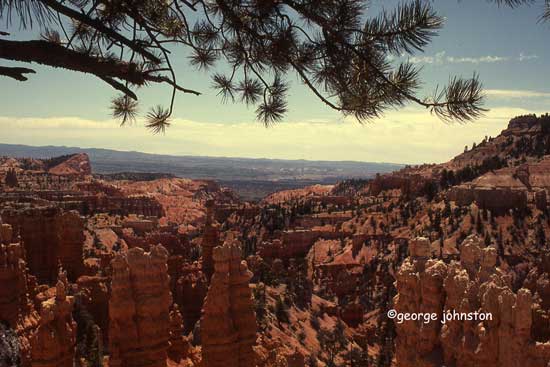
x,y
77,164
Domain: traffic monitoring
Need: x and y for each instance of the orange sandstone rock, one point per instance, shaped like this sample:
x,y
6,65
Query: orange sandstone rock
x,y
139,308
473,284
228,323
53,343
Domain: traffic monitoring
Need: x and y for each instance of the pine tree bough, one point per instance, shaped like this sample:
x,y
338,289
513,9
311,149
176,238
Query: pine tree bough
x,y
16,73
51,54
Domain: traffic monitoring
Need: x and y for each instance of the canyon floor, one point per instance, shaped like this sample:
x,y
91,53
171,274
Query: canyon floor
x,y
138,270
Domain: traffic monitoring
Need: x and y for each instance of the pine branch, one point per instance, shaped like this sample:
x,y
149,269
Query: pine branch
x,y
512,3
16,73
410,27
51,54
101,27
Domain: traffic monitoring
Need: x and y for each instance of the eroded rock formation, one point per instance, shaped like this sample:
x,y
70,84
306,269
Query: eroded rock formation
x,y
139,308
53,343
228,323
473,284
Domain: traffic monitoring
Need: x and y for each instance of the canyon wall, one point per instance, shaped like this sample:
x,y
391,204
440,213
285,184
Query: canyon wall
x,y
52,237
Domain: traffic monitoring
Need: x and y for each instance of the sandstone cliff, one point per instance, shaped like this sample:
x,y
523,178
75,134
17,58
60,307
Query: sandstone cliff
x,y
51,237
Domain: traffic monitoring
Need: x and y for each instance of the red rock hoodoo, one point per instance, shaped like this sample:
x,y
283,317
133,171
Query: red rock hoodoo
x,y
473,284
53,343
228,323
139,308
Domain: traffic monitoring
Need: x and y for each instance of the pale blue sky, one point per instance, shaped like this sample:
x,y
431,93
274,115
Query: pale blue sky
x,y
508,48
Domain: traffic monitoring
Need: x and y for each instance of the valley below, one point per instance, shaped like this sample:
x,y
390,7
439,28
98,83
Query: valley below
x,y
128,259
252,178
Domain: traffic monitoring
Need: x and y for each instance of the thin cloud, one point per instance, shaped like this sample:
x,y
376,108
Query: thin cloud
x,y
511,93
523,57
442,58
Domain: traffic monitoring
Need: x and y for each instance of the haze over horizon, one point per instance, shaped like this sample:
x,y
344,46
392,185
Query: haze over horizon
x,y
478,37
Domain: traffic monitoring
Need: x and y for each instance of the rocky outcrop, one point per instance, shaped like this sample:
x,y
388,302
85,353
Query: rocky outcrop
x,y
52,237
526,123
408,184
53,343
507,188
137,204
495,199
473,285
297,243
89,203
228,323
139,308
